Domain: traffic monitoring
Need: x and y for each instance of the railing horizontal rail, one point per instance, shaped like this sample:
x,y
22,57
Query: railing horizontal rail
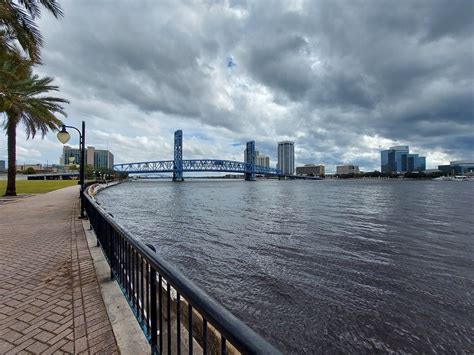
x,y
171,309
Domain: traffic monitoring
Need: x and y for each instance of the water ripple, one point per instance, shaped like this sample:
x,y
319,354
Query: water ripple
x,y
321,266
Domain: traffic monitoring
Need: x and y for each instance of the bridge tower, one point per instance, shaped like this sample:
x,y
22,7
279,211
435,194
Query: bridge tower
x,y
250,159
178,156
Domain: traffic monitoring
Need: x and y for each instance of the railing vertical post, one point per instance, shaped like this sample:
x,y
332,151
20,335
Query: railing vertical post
x,y
168,313
142,279
97,231
112,252
137,285
148,307
128,280
153,311
178,325
190,328
204,336
160,300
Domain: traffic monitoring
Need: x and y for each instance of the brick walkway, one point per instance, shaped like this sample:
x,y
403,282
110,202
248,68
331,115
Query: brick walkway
x,y
50,300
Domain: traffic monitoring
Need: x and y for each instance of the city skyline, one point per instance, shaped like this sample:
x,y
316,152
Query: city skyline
x,y
265,160
337,100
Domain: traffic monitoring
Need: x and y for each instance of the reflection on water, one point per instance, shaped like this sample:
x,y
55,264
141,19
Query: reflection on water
x,y
321,266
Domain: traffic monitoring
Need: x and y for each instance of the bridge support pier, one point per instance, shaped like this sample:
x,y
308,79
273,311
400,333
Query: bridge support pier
x,y
178,156
250,160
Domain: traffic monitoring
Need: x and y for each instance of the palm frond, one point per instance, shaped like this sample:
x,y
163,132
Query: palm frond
x,y
24,99
18,23
35,10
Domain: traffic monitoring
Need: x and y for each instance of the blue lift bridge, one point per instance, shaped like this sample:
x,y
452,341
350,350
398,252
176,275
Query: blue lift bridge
x,y
179,165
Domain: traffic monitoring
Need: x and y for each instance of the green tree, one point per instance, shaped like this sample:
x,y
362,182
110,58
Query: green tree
x,y
17,23
29,171
22,100
90,172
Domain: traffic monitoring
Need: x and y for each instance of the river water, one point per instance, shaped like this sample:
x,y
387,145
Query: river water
x,y
350,266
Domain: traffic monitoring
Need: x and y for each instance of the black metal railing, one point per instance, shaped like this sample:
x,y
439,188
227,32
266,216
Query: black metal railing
x,y
175,314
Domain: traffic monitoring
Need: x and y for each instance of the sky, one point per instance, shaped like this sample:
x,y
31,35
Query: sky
x,y
342,79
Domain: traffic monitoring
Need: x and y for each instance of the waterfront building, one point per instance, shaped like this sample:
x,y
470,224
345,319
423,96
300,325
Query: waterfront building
x,y
23,167
347,170
398,159
98,158
2,166
416,163
261,160
40,168
286,157
458,167
311,170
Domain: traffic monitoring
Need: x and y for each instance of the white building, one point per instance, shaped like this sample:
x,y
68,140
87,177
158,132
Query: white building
x,y
260,159
347,169
311,169
286,157
263,160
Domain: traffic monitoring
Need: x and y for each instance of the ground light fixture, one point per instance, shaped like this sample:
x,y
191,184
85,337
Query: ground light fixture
x,y
64,136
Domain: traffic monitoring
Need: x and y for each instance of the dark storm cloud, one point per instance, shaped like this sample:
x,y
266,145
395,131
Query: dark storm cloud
x,y
331,75
276,64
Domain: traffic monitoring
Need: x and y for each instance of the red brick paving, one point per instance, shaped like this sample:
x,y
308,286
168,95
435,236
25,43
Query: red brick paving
x,y
50,300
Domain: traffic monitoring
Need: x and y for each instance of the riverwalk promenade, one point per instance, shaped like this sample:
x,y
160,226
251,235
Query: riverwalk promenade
x,y
50,300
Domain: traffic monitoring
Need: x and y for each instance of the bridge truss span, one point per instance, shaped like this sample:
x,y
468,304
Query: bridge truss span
x,y
196,165
163,166
214,165
179,165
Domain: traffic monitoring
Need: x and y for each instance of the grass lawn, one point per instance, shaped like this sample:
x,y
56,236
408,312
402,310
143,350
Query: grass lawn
x,y
37,186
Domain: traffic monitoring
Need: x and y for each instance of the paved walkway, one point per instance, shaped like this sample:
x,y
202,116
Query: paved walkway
x,y
50,300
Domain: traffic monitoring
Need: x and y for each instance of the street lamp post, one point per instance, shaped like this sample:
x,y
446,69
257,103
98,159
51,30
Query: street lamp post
x,y
64,136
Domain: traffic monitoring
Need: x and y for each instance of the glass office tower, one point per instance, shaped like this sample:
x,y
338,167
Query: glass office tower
x,y
416,163
399,160
98,158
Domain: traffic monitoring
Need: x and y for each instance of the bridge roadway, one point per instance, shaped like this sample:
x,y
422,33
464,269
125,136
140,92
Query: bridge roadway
x,y
195,165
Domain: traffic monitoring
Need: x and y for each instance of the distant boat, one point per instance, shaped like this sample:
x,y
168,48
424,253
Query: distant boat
x,y
452,178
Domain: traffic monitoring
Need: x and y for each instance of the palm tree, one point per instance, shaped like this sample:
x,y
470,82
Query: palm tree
x,y
17,23
20,101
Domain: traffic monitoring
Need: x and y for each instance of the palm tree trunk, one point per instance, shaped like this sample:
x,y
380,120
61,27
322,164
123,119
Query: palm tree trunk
x,y
11,134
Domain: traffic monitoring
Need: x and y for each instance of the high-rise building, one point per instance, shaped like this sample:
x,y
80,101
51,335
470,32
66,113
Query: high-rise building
x,y
286,157
392,159
416,163
2,166
398,159
263,160
260,159
98,158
